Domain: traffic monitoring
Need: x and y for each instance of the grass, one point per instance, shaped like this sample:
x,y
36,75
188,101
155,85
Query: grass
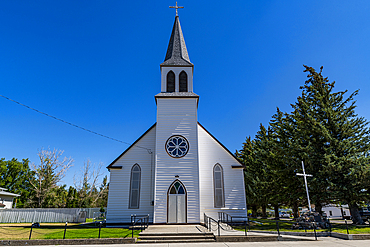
x,y
56,231
286,225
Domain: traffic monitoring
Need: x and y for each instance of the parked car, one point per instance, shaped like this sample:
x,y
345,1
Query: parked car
x,y
284,215
365,213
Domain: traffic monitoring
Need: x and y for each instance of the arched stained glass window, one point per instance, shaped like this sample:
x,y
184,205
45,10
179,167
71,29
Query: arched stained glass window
x,y
135,186
170,81
183,81
218,181
177,188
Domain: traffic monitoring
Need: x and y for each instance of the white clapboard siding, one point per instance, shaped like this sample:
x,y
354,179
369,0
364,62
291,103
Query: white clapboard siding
x,y
177,116
211,153
119,187
7,201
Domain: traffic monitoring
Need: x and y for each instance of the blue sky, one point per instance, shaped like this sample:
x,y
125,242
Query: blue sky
x,y
96,64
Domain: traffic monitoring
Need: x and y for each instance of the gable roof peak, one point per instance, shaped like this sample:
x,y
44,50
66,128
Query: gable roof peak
x,y
177,54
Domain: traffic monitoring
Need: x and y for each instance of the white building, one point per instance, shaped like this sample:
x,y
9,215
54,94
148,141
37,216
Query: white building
x,y
337,211
6,198
176,171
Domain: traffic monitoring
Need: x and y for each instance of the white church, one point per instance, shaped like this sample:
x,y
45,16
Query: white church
x,y
176,171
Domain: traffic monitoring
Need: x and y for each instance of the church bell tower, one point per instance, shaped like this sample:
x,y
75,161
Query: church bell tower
x,y
176,197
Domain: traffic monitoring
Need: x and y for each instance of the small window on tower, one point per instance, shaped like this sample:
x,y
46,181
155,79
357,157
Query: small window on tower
x,y
183,82
171,82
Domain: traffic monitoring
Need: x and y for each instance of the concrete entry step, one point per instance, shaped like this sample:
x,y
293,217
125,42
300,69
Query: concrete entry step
x,y
172,237
175,234
176,241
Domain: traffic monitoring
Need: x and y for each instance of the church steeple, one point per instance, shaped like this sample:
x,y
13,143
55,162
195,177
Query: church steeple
x,y
177,54
177,70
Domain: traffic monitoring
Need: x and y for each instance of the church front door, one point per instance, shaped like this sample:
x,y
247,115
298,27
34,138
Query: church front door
x,y
176,203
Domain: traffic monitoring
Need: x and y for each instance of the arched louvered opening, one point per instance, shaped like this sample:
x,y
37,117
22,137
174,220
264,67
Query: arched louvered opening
x,y
183,81
135,186
170,81
218,181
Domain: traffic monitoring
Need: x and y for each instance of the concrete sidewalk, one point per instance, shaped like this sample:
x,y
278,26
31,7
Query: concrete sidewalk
x,y
322,242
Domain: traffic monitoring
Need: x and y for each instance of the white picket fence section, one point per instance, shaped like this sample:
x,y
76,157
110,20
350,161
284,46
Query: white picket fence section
x,y
49,215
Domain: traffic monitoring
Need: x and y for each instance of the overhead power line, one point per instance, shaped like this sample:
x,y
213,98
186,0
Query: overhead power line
x,y
74,125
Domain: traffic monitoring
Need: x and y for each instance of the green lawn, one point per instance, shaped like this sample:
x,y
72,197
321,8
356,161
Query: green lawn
x,y
56,231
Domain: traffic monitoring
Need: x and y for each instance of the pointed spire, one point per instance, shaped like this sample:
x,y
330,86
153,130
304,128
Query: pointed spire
x,y
177,54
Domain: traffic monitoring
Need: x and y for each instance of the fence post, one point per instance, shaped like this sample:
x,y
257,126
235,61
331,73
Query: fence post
x,y
218,224
249,227
314,229
278,230
329,227
99,229
345,220
245,228
147,222
30,231
65,229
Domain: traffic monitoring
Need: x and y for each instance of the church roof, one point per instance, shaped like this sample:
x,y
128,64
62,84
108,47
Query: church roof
x,y
177,94
177,54
111,166
222,145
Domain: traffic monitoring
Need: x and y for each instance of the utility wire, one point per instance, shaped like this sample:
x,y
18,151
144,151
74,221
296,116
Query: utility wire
x,y
61,120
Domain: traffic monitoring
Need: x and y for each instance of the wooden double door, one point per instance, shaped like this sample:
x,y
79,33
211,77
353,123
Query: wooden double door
x,y
176,204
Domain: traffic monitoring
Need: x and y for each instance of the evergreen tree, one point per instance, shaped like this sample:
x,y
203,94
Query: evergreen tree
x,y
260,179
339,143
72,198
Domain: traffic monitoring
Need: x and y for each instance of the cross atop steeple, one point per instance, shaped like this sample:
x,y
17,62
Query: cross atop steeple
x,y
176,7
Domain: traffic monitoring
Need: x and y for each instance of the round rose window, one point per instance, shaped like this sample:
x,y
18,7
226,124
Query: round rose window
x,y
177,146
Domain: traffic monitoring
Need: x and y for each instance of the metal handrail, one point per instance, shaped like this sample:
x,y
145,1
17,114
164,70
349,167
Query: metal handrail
x,y
208,222
224,217
231,220
144,223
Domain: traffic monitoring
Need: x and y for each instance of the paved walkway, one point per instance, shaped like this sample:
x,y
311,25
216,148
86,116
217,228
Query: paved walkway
x,y
322,242
224,231
163,229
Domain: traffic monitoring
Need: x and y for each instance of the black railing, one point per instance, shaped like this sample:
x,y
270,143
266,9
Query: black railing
x,y
139,222
310,226
208,223
234,220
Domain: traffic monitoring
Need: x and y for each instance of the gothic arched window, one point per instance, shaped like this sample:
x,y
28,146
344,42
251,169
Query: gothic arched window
x,y
170,81
135,186
183,81
218,181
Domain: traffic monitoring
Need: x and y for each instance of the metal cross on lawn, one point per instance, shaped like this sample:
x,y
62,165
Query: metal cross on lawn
x,y
176,7
305,182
